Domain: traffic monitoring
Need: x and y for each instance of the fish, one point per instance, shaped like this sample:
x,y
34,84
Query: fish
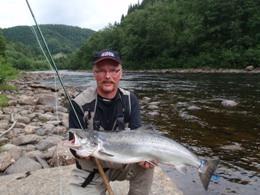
x,y
132,146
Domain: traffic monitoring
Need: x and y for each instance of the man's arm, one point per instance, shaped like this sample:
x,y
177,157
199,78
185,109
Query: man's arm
x,y
135,118
135,122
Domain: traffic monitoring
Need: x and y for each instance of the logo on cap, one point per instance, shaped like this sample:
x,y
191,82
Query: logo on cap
x,y
107,53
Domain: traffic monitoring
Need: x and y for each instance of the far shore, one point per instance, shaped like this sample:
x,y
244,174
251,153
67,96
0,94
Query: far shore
x,y
177,70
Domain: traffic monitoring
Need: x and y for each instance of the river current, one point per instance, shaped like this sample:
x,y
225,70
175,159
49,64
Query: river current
x,y
188,107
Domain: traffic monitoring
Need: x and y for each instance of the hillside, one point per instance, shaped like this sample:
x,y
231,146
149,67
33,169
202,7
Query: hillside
x,y
182,34
22,49
60,38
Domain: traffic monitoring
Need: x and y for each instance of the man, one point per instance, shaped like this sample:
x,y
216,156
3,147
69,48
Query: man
x,y
107,108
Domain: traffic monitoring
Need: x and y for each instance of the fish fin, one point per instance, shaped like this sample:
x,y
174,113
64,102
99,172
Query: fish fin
x,y
84,152
181,168
153,163
206,170
150,129
105,153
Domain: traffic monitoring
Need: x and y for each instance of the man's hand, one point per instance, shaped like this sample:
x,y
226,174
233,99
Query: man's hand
x,y
147,165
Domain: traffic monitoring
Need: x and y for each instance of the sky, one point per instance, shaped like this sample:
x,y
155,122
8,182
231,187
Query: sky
x,y
92,14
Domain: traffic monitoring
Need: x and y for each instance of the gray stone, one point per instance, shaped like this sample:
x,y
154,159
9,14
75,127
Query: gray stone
x,y
48,142
27,100
250,68
23,164
154,103
3,140
29,129
26,139
193,107
55,123
153,107
42,162
146,99
20,125
41,131
10,155
12,102
5,160
34,153
23,119
28,147
46,99
62,109
229,103
64,118
7,147
4,117
61,156
4,124
154,113
56,181
232,147
48,127
45,117
59,130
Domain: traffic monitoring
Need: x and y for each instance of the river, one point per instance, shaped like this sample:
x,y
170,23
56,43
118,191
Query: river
x,y
189,109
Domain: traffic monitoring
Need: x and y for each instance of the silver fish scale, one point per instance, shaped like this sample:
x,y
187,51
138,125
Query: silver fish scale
x,y
146,146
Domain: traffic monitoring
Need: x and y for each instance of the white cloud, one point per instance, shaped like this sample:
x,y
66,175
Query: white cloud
x,y
93,14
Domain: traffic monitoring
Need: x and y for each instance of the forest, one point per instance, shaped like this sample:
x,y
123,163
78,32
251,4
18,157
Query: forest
x,y
158,34
154,34
23,52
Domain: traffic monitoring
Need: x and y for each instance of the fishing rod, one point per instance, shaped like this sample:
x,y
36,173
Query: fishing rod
x,y
52,63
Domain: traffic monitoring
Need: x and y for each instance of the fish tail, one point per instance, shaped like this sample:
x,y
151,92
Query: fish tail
x,y
206,170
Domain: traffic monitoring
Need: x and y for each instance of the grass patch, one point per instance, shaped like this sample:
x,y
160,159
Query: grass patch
x,y
3,100
6,87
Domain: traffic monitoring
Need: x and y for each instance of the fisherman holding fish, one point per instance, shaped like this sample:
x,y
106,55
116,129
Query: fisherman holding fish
x,y
107,107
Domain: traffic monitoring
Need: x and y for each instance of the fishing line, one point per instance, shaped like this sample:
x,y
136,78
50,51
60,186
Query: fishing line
x,y
52,63
56,104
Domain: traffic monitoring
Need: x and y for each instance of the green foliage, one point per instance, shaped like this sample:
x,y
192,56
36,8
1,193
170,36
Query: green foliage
x,y
2,45
6,87
60,38
187,34
24,53
3,101
7,72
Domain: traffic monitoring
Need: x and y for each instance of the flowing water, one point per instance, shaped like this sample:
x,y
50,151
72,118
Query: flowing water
x,y
189,108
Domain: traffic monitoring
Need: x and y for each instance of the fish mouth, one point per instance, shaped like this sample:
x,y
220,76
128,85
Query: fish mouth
x,y
73,141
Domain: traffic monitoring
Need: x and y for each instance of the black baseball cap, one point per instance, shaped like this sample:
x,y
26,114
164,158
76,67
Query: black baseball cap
x,y
107,54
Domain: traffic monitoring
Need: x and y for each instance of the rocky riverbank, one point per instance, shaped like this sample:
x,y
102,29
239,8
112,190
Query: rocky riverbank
x,y
32,124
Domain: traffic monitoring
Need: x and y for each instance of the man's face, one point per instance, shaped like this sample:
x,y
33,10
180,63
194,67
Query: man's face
x,y
107,74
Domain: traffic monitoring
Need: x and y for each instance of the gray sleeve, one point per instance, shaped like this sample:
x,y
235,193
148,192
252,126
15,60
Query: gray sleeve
x,y
135,118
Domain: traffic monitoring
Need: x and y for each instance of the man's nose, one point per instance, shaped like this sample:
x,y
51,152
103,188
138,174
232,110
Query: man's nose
x,y
108,74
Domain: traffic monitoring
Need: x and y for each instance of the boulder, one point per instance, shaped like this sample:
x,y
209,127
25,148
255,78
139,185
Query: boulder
x,y
29,129
10,153
26,139
6,160
23,164
46,99
250,68
61,156
229,103
48,142
4,125
27,100
23,119
60,130
56,181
